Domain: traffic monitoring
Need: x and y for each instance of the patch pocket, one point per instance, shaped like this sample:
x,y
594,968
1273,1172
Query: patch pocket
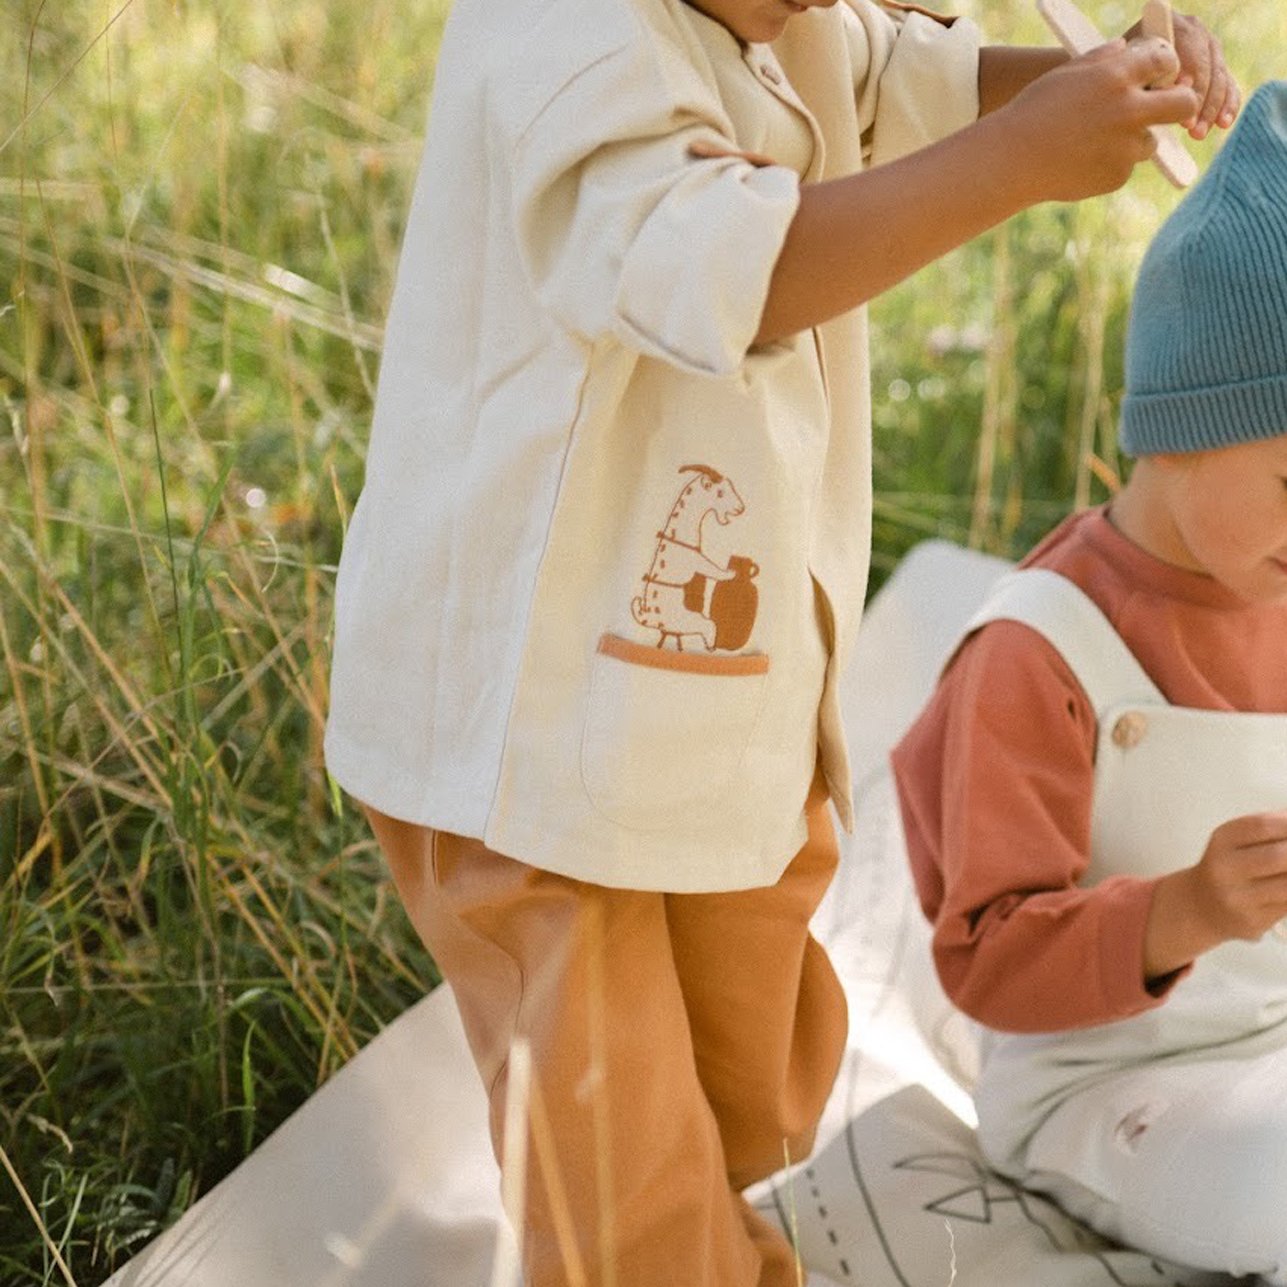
x,y
666,732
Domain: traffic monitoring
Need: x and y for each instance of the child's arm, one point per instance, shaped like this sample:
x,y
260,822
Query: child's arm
x,y
1238,890
995,784
1075,132
1005,70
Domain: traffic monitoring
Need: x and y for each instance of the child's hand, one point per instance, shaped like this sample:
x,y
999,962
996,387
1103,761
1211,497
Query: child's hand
x,y
1202,67
1238,890
1081,129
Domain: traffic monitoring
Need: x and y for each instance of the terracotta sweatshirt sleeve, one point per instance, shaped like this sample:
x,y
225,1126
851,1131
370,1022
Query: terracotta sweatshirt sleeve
x,y
995,784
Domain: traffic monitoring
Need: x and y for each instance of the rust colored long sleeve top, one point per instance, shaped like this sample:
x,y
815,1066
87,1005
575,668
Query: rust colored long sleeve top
x,y
995,782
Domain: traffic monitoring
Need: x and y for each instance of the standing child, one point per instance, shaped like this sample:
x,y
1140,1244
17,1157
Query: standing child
x,y
611,550
1095,800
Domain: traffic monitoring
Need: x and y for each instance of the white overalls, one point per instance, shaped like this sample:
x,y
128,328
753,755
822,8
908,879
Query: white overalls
x,y
1168,1130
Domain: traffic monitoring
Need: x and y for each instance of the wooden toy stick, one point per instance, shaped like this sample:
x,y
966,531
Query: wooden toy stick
x,y
1079,35
1157,20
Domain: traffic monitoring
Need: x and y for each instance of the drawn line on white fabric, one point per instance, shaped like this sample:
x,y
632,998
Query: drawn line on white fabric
x,y
856,1167
990,1190
824,1215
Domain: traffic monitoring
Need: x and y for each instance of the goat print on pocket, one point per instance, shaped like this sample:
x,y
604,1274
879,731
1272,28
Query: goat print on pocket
x,y
685,593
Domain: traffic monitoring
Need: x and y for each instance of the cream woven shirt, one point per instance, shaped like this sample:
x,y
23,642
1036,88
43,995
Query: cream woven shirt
x,y
609,558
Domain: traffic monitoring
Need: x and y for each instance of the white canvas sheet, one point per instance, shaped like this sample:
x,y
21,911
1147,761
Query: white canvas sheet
x,y
385,1178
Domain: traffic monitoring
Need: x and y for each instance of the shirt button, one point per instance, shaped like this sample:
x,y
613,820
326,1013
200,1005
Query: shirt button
x,y
771,73
1129,730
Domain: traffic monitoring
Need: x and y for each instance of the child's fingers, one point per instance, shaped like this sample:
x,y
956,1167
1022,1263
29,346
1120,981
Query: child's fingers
x,y
1151,60
1259,838
1173,106
1213,91
1205,69
1228,110
1141,63
1265,869
1200,56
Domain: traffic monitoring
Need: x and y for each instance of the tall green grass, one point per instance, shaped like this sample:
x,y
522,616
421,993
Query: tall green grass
x,y
199,213
200,208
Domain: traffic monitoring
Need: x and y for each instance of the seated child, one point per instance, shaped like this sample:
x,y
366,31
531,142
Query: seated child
x,y
1095,800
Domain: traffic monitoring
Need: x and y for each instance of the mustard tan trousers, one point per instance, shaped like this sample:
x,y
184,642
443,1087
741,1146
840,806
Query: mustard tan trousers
x,y
682,1046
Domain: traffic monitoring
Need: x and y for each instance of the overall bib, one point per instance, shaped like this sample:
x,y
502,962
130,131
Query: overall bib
x,y
1167,1130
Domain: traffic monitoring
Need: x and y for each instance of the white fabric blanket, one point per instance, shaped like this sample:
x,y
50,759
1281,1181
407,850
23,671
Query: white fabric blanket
x,y
385,1177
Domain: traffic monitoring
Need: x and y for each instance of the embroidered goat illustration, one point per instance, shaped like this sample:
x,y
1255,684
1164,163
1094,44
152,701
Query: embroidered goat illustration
x,y
684,591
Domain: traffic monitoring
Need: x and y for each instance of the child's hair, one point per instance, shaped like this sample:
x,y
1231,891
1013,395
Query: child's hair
x,y
1206,350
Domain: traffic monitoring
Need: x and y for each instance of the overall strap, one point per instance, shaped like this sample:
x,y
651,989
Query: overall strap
x,y
1070,621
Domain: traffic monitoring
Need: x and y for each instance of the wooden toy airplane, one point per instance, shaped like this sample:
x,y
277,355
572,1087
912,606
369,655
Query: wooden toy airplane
x,y
1079,35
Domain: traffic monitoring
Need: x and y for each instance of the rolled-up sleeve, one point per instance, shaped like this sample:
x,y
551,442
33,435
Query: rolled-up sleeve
x,y
917,77
624,232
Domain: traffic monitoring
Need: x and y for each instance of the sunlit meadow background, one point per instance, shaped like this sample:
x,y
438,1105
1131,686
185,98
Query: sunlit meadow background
x,y
200,211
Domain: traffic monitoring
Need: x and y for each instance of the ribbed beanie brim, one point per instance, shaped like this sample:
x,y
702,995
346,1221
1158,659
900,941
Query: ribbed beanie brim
x,y
1206,348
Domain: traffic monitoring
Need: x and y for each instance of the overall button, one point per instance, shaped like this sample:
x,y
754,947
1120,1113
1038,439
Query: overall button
x,y
1129,730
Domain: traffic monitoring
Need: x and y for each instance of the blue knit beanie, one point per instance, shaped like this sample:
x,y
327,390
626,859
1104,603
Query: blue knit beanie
x,y
1206,349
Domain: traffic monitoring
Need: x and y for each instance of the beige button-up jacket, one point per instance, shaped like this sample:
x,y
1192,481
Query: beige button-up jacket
x,y
609,558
